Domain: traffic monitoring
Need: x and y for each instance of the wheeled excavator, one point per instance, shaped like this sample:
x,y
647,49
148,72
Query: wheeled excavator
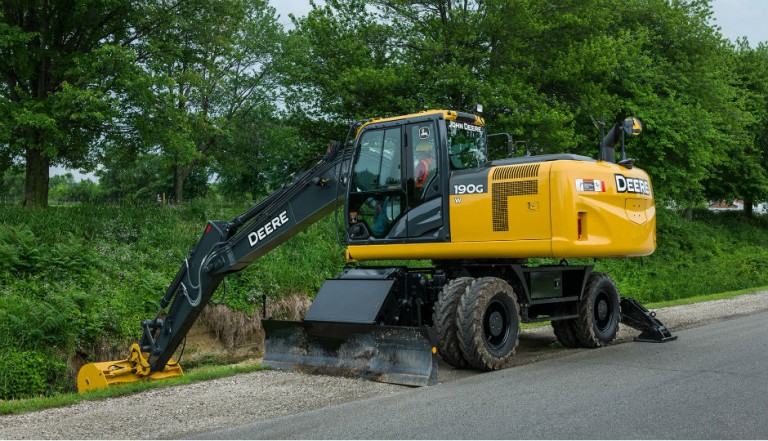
x,y
420,187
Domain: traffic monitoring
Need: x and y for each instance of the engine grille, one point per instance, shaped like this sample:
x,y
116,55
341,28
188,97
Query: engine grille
x,y
501,191
516,172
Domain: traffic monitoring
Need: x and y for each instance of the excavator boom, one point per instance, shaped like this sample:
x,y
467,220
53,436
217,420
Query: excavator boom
x,y
224,248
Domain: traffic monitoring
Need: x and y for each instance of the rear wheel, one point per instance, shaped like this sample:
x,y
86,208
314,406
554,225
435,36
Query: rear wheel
x,y
488,321
444,319
565,332
599,312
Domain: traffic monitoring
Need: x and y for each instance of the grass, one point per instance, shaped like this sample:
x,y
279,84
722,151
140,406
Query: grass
x,y
705,298
203,373
76,281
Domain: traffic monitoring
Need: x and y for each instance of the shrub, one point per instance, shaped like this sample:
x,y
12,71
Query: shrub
x,y
26,374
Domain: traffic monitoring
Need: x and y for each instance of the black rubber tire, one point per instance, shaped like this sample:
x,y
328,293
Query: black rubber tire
x,y
599,312
444,319
565,332
488,320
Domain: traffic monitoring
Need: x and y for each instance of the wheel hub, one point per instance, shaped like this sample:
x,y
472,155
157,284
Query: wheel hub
x,y
496,323
602,310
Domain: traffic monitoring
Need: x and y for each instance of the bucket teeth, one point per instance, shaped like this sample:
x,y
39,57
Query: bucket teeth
x,y
387,354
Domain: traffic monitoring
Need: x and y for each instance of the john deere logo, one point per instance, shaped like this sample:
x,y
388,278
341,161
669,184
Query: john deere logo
x,y
423,132
268,228
632,185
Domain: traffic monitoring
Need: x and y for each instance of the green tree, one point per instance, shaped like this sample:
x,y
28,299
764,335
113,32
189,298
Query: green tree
x,y
541,68
58,61
13,184
209,61
676,77
139,177
745,174
547,69
64,188
260,153
343,63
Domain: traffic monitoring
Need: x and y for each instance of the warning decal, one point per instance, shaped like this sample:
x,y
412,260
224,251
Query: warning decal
x,y
594,185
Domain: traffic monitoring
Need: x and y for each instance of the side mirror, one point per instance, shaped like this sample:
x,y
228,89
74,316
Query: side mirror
x,y
511,149
632,126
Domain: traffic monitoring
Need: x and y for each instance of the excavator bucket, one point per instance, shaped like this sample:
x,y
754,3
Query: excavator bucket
x,y
387,354
134,368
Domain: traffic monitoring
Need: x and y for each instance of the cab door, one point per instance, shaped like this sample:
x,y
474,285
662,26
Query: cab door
x,y
424,181
395,188
377,193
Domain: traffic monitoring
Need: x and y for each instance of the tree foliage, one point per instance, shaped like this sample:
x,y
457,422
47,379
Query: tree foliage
x,y
57,74
157,93
744,173
544,70
205,63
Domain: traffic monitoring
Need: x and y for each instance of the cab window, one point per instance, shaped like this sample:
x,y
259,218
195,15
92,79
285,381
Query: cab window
x,y
378,164
376,199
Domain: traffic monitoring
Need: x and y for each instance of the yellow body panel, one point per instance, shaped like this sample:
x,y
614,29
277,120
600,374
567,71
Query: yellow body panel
x,y
613,223
560,209
527,215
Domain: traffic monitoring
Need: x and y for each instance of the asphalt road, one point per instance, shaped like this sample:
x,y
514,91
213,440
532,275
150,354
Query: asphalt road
x,y
711,383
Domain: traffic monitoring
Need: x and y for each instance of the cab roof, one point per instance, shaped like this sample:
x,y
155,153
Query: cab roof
x,y
447,115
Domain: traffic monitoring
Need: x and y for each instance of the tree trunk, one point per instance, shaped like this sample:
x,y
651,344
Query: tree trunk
x,y
37,176
748,202
180,175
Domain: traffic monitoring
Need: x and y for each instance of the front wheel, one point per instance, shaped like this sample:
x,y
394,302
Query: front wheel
x,y
488,323
444,319
599,312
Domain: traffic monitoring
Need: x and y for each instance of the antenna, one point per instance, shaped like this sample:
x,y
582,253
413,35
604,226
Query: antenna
x,y
603,153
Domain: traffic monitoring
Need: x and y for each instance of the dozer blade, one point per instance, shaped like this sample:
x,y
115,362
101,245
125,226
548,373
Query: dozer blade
x,y
134,368
387,354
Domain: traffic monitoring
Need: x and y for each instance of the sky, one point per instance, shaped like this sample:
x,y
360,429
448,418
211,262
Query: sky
x,y
736,18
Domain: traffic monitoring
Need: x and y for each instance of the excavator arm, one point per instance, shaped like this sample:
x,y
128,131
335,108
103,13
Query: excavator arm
x,y
224,248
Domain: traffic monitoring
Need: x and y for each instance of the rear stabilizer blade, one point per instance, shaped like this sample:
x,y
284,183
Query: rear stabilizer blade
x,y
637,316
387,354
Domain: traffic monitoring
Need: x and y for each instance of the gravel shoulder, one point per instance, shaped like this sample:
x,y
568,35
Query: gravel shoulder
x,y
184,410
